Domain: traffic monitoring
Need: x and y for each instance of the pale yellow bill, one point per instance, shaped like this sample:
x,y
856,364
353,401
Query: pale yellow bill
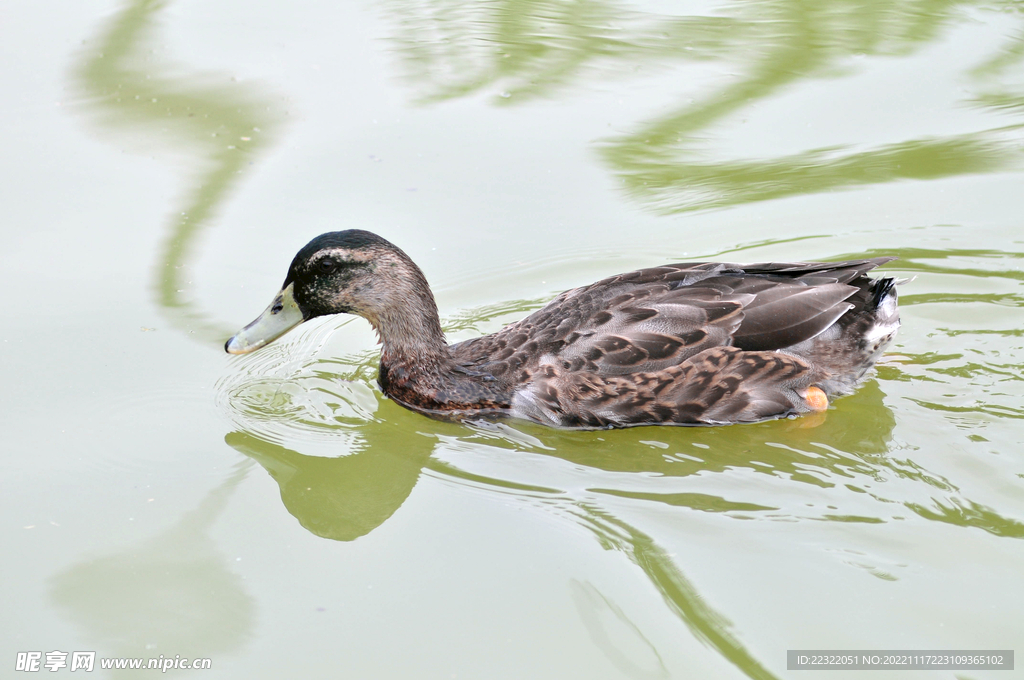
x,y
280,317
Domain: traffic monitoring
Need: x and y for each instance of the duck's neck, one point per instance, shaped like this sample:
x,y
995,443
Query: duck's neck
x,y
416,363
407,323
412,337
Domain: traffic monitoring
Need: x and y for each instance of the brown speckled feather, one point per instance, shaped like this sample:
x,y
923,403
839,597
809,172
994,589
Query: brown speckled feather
x,y
645,347
718,385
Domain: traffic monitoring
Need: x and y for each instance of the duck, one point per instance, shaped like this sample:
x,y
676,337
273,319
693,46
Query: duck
x,y
692,343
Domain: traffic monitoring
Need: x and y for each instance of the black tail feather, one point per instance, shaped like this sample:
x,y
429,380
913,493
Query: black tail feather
x,y
880,290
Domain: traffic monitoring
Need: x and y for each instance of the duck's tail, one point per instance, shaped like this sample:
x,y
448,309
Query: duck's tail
x,y
885,317
881,289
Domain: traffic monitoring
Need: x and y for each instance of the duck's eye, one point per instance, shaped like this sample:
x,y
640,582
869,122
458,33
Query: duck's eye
x,y
326,264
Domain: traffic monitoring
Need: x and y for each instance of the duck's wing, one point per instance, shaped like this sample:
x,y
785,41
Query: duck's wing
x,y
794,302
651,319
635,321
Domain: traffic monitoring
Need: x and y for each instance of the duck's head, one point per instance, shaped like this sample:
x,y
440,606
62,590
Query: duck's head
x,y
353,272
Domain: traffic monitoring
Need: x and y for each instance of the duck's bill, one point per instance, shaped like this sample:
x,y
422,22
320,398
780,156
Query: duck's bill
x,y
280,317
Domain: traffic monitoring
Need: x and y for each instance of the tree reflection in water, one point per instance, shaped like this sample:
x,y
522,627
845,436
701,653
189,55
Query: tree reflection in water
x,y
213,126
520,50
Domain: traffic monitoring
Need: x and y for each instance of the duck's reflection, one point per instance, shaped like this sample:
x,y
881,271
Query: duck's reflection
x,y
347,497
386,448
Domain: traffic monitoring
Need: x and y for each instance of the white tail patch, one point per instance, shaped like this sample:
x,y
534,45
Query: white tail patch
x,y
888,320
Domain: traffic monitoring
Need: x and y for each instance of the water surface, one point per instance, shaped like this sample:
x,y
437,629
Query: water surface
x,y
275,513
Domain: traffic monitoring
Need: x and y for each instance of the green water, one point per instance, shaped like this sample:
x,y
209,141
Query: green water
x,y
162,163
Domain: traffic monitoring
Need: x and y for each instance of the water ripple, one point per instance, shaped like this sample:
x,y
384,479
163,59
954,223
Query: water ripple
x,y
290,392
